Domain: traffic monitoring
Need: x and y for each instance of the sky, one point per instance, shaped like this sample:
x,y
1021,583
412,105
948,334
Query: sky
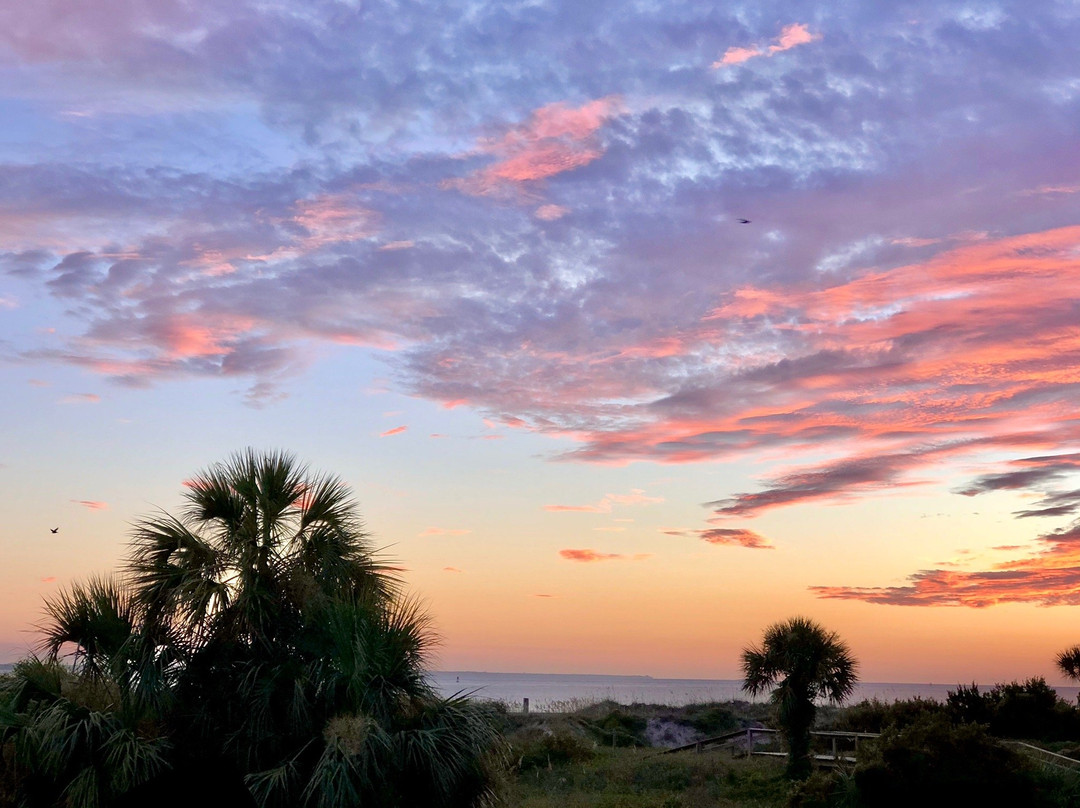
x,y
487,262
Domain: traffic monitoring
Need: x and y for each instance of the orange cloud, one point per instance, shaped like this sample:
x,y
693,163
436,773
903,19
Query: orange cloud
x,y
450,569
588,555
790,36
397,430
555,139
48,580
91,504
1049,577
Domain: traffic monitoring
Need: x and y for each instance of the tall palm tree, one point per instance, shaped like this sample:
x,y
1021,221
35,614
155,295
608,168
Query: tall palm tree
x,y
259,633
800,662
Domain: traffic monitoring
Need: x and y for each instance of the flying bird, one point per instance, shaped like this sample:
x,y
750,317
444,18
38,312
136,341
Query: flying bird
x,y
744,221
54,530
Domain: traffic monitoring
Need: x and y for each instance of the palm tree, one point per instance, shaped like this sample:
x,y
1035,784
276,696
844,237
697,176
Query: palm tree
x,y
1068,662
801,662
257,633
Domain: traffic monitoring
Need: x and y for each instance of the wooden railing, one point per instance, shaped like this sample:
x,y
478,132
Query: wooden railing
x,y
1046,757
747,740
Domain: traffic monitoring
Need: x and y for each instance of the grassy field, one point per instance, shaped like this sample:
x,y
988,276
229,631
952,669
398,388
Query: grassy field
x,y
609,756
640,778
602,756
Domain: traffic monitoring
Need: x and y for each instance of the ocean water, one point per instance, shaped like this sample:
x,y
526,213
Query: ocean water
x,y
554,692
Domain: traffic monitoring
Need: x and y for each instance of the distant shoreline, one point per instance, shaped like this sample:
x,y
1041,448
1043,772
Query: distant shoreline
x,y
558,691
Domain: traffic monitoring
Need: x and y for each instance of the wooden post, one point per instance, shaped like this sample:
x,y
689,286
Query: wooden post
x,y
835,757
525,706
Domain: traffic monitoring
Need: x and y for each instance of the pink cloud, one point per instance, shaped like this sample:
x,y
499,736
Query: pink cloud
x,y
48,580
397,245
450,569
333,218
589,555
1052,190
734,56
556,138
790,36
91,504
550,213
397,430
187,336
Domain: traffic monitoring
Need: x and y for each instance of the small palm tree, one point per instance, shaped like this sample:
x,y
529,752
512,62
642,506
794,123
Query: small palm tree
x,y
256,634
801,662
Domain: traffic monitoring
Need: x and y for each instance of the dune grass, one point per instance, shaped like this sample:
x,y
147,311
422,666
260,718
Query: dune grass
x,y
640,778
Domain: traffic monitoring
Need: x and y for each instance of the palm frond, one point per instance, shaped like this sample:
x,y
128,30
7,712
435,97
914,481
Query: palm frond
x,y
1068,662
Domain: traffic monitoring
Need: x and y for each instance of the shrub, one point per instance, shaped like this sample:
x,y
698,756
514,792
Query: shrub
x,y
618,728
539,746
875,715
933,762
1031,709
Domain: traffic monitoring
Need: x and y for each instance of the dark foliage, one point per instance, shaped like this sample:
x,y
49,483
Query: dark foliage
x,y
875,715
257,642
1030,709
933,762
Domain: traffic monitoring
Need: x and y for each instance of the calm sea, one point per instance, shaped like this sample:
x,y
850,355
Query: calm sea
x,y
557,692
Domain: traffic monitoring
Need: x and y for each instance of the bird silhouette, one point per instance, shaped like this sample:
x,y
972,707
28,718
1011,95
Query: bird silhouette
x,y
744,221
54,530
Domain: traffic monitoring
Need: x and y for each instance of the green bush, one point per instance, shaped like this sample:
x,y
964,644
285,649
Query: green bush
x,y
618,728
933,762
549,745
824,790
875,715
